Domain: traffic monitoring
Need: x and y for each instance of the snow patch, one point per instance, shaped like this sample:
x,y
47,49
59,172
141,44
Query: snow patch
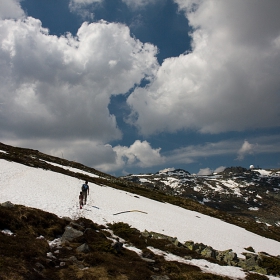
x,y
253,208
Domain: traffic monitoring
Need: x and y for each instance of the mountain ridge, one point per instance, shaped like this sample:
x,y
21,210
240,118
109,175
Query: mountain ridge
x,y
252,193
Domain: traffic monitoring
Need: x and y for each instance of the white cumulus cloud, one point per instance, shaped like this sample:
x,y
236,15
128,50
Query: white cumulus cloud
x,y
205,171
130,3
60,87
10,9
225,81
219,169
139,154
246,148
135,4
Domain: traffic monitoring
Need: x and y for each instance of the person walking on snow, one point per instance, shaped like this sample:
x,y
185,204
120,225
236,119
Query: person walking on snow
x,y
85,191
81,200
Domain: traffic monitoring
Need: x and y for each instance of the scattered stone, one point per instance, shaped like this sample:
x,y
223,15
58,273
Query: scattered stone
x,y
55,243
208,252
229,256
50,255
67,219
70,234
145,234
84,248
156,235
189,244
7,204
76,226
7,232
198,247
250,263
40,237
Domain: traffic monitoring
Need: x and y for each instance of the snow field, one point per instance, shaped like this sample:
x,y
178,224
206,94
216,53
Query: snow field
x,y
58,194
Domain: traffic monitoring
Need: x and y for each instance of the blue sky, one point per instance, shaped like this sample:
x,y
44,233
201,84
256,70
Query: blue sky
x,y
132,86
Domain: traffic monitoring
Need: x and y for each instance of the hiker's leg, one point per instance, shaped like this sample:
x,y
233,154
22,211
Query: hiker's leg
x,y
85,197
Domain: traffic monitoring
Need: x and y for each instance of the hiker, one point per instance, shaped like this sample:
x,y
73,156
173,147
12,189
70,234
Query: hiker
x,y
85,191
81,200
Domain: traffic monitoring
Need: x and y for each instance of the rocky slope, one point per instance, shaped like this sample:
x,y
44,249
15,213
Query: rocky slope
x,y
39,245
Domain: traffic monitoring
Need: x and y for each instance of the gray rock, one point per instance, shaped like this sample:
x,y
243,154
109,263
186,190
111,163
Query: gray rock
x,y
250,256
7,204
208,252
251,263
84,248
145,234
227,256
175,241
156,277
230,256
76,226
189,244
199,247
70,234
248,264
261,270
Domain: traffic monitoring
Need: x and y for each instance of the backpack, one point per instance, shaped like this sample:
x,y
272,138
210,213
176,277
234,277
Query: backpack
x,y
84,188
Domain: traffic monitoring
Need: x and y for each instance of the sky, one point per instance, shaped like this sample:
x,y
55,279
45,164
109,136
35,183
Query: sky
x,y
136,86
18,182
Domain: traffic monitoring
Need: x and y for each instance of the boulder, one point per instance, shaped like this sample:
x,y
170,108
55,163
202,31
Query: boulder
x,y
7,204
70,234
230,257
227,256
208,252
249,263
189,244
199,247
84,248
145,234
76,226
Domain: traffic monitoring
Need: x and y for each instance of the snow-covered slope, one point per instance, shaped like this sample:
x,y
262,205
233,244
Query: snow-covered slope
x,y
58,193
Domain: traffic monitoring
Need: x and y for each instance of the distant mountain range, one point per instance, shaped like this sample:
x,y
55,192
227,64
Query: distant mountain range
x,y
253,193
